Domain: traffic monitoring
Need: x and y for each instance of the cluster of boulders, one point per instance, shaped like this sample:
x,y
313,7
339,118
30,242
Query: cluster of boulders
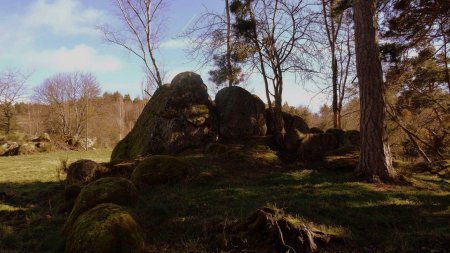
x,y
101,219
181,115
42,143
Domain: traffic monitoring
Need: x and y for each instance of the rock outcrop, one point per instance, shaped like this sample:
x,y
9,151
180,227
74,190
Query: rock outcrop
x,y
177,117
240,114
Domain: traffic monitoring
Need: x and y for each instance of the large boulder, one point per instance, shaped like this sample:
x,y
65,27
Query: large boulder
x,y
315,146
106,228
177,117
83,172
353,138
339,134
9,148
115,190
44,137
240,114
27,149
160,169
295,130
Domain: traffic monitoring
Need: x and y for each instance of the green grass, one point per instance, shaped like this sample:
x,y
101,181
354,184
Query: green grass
x,y
410,217
31,194
376,218
42,167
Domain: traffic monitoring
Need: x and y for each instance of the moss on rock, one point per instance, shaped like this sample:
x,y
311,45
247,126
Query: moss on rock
x,y
160,169
104,229
116,190
27,149
315,146
241,114
177,117
83,172
315,130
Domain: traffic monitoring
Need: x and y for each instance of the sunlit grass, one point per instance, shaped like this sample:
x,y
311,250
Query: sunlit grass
x,y
42,167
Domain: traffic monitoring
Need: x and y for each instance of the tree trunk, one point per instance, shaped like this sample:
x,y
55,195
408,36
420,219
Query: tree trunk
x,y
375,161
230,71
335,90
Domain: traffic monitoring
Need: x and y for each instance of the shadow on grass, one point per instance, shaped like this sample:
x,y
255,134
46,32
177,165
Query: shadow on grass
x,y
390,219
29,217
378,218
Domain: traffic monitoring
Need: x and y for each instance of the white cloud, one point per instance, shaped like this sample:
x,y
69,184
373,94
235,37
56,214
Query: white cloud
x,y
63,17
79,58
174,44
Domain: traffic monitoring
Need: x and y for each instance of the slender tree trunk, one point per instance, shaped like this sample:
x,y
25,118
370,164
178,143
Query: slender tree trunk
x,y
158,78
375,161
335,90
447,74
87,123
229,67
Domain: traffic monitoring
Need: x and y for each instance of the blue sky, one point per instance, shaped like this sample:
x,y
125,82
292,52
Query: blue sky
x,y
51,36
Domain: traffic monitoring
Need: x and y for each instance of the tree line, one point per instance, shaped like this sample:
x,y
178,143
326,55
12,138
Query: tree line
x,y
68,106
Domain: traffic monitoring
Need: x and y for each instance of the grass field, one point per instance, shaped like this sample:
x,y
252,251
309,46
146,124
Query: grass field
x,y
42,167
409,217
29,186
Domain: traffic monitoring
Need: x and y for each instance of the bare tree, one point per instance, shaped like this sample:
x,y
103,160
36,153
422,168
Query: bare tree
x,y
337,25
67,96
375,161
12,87
279,36
213,42
142,23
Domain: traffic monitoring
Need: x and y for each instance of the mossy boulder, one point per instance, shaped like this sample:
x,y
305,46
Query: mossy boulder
x,y
315,146
179,116
27,149
161,169
295,122
353,138
292,139
240,114
339,134
10,148
83,172
44,147
106,228
315,130
44,137
115,190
